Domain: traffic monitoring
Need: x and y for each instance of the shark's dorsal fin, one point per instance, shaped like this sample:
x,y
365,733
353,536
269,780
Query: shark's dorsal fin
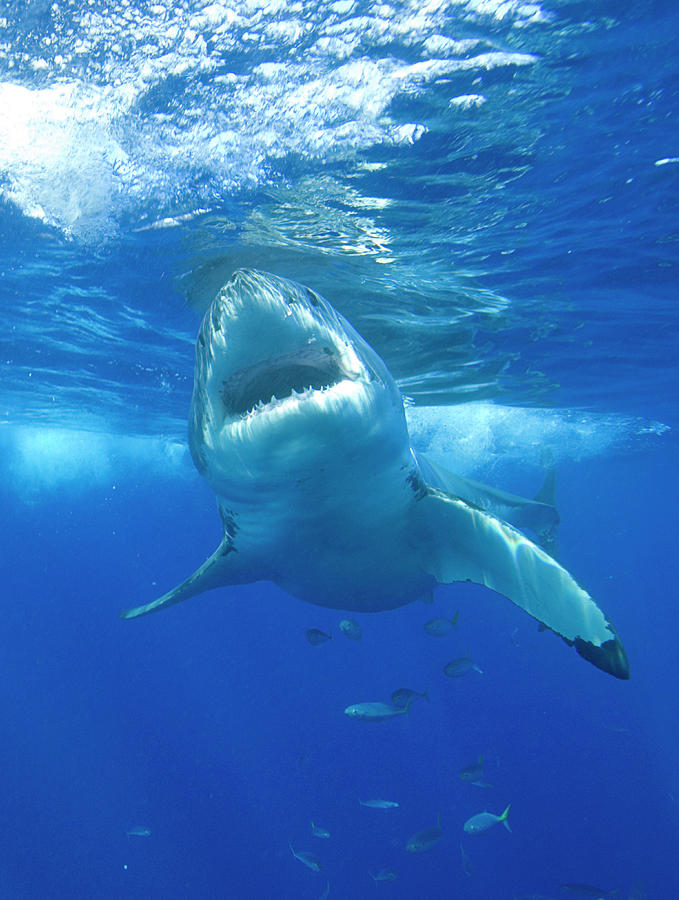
x,y
547,492
548,534
540,515
460,542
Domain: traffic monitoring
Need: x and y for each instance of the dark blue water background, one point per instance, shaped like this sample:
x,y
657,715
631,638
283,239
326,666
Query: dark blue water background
x,y
219,728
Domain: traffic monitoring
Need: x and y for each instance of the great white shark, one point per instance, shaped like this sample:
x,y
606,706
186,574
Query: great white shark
x,y
299,428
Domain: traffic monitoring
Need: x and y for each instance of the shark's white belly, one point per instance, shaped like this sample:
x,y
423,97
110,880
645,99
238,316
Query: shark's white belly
x,y
339,538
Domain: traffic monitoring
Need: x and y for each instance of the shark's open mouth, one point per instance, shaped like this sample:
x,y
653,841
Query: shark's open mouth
x,y
311,368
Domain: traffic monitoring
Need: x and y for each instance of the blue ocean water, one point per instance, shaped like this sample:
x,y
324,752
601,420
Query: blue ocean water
x,y
487,189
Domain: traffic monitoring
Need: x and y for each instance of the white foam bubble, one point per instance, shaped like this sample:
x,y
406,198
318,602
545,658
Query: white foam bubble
x,y
473,438
95,136
60,158
468,101
42,461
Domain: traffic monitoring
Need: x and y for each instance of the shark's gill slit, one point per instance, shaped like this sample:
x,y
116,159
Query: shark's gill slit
x,y
311,368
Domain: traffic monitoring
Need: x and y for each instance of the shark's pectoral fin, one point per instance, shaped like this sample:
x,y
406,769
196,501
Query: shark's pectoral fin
x,y
460,542
212,574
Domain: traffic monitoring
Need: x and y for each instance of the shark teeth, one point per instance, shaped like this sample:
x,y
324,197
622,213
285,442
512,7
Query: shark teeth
x,y
267,405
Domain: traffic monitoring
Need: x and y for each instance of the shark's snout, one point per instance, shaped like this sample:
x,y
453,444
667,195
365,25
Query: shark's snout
x,y
268,345
285,388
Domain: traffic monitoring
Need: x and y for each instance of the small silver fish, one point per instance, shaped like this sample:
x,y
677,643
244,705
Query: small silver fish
x,y
319,832
403,696
326,892
456,668
351,629
379,804
425,840
138,831
440,627
485,820
473,774
466,862
310,860
587,890
532,897
374,712
316,637
383,875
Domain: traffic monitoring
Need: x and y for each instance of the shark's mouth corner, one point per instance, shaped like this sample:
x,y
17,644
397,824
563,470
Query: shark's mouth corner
x,y
248,390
